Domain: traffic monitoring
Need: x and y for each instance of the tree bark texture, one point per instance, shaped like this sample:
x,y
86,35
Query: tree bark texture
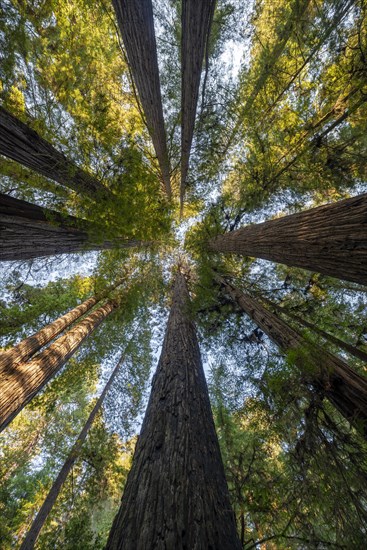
x,y
28,231
353,350
196,19
136,23
343,386
38,522
329,239
29,346
176,496
22,144
19,384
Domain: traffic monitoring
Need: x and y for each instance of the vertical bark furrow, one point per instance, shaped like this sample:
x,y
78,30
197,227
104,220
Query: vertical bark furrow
x,y
176,494
22,144
19,384
329,239
343,386
136,23
32,535
29,346
196,20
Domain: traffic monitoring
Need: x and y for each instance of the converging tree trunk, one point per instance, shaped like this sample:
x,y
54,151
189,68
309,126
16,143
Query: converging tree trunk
x,y
176,494
19,384
353,350
343,386
38,522
135,20
29,346
196,19
29,231
329,239
22,144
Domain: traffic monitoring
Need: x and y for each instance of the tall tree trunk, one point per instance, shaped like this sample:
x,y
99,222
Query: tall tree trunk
x,y
176,494
353,350
343,386
29,346
28,231
135,20
22,144
38,522
329,239
196,19
19,384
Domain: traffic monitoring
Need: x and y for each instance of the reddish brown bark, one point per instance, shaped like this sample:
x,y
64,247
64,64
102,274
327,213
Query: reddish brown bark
x,y
176,494
28,231
29,346
22,144
38,522
135,20
342,385
19,384
196,19
329,239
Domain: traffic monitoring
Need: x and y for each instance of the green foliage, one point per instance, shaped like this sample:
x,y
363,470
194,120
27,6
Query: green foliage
x,y
280,129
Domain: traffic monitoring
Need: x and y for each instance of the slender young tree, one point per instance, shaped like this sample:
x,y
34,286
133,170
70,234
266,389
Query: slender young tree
x,y
329,239
19,384
136,24
29,346
353,350
176,494
29,231
38,522
343,386
22,144
196,20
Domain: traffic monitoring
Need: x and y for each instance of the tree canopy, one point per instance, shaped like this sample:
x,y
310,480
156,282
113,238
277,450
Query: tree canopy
x,y
226,140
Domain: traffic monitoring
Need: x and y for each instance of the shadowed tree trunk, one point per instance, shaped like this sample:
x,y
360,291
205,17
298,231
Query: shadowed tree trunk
x,y
28,231
29,346
135,20
196,19
344,387
74,453
353,350
19,384
176,494
22,144
329,239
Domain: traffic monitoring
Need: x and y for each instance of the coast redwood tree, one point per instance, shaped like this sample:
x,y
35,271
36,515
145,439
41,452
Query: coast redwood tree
x,y
29,231
136,24
329,239
31,345
21,382
176,494
343,386
196,19
21,143
39,520
353,350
